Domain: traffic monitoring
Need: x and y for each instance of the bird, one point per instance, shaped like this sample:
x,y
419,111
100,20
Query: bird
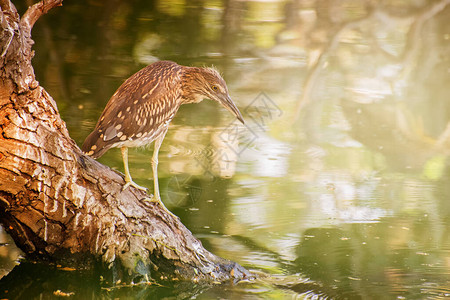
x,y
141,109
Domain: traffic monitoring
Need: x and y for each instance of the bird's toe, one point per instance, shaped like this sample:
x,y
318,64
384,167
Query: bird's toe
x,y
152,198
133,184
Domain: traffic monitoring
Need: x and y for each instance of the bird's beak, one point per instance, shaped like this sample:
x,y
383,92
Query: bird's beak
x,y
229,105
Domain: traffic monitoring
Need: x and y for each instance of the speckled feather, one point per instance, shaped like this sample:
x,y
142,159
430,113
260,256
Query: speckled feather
x,y
144,105
136,113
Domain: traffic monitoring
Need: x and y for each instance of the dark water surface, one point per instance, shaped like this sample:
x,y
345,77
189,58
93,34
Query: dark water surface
x,y
338,186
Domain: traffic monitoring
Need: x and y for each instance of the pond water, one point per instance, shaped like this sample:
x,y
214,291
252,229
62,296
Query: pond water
x,y
338,185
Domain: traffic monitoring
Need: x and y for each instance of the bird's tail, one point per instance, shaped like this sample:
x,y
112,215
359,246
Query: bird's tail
x,y
94,146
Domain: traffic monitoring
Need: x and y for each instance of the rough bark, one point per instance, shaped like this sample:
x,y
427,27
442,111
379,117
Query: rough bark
x,y
64,207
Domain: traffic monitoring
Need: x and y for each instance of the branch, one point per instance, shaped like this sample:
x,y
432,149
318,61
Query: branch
x,y
8,24
7,6
16,44
34,12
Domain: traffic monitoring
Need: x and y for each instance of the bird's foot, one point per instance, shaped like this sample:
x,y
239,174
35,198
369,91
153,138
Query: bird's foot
x,y
152,198
133,184
156,199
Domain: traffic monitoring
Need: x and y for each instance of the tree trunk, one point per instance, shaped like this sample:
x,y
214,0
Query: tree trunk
x,y
64,207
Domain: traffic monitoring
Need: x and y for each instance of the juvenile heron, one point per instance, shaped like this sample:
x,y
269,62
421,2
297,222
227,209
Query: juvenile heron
x,y
141,109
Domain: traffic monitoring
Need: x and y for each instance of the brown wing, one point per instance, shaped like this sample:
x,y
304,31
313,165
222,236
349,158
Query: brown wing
x,y
140,109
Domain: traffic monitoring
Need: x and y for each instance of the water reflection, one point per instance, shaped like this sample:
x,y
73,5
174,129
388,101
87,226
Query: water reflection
x,y
337,185
385,254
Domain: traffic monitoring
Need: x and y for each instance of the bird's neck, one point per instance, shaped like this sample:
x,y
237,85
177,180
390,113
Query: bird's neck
x,y
191,82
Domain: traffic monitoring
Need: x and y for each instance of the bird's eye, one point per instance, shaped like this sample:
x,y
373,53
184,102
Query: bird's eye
x,y
215,87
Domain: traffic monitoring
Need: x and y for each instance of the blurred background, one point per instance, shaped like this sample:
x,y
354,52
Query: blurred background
x,y
338,184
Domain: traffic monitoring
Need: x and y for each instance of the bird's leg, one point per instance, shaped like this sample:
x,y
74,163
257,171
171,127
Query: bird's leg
x,y
156,196
158,143
128,180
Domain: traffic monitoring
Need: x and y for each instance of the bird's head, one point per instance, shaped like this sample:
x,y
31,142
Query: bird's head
x,y
201,83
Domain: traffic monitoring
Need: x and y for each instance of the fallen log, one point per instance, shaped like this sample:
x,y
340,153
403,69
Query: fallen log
x,y
63,207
